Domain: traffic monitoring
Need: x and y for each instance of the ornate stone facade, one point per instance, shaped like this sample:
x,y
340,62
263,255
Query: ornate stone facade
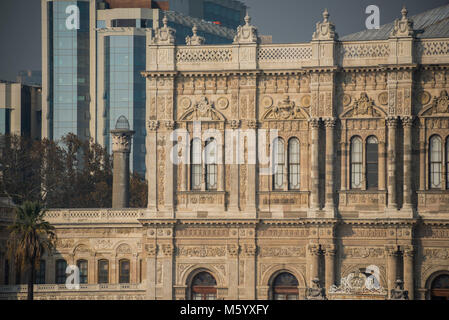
x,y
356,237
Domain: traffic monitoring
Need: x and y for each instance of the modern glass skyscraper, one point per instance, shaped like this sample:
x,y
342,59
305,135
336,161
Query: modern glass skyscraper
x,y
92,75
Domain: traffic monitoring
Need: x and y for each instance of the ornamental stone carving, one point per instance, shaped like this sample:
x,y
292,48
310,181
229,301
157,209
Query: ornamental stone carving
x,y
398,293
363,107
358,283
282,251
121,141
202,110
164,35
402,27
233,250
249,250
167,249
325,30
195,40
330,122
284,110
246,33
407,121
151,249
392,122
316,292
314,123
440,105
124,249
202,251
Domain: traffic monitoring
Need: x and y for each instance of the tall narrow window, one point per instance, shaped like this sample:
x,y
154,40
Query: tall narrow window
x,y
435,162
103,271
82,266
293,164
372,163
196,164
279,163
124,271
6,280
447,163
356,163
211,164
61,266
40,273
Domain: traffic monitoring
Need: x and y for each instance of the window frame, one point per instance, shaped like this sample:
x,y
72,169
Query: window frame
x,y
296,164
83,268
59,273
211,168
123,275
278,164
435,165
372,161
356,164
100,271
196,170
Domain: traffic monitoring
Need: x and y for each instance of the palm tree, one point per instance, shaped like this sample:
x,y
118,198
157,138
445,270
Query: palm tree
x,y
30,236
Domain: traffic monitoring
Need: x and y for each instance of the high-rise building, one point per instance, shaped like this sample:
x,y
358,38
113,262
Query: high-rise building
x,y
20,109
92,75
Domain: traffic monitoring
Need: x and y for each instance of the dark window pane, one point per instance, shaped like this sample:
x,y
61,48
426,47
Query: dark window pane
x,y
124,271
103,271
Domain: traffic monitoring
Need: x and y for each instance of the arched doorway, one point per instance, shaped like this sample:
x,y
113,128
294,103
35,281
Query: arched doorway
x,y
204,287
285,287
439,289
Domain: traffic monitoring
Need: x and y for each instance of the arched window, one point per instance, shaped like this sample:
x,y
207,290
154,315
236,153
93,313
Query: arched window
x,y
372,163
103,271
210,158
82,266
124,271
195,159
356,163
279,163
204,287
61,266
40,273
293,164
285,287
440,288
6,274
435,162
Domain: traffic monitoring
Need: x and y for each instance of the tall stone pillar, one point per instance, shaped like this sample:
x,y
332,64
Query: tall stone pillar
x,y
314,262
382,172
314,176
121,148
329,260
409,271
407,123
151,251
330,125
392,125
392,265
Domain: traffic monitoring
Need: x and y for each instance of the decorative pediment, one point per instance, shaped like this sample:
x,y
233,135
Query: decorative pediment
x,y
202,110
363,281
439,106
285,110
363,107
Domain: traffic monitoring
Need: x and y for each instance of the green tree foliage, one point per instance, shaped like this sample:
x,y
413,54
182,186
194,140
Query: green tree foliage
x,y
72,173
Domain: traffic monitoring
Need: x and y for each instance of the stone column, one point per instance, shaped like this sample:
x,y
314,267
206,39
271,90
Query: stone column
x,y
422,156
392,266
169,167
151,250
249,256
407,123
329,260
121,147
330,125
392,124
233,262
314,175
151,163
167,273
409,271
314,254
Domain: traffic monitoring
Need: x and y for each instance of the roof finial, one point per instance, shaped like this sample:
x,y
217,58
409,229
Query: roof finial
x,y
194,29
165,20
325,15
247,18
404,12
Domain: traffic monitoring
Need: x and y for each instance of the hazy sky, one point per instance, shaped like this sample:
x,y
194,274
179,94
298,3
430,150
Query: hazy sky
x,y
285,20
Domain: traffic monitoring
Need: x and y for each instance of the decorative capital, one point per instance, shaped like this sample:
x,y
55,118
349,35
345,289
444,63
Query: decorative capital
x,y
234,124
246,33
330,122
409,251
164,35
402,27
391,251
233,250
167,249
151,249
250,250
330,250
121,140
314,249
392,122
252,124
407,121
195,40
314,123
325,30
153,125
170,124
